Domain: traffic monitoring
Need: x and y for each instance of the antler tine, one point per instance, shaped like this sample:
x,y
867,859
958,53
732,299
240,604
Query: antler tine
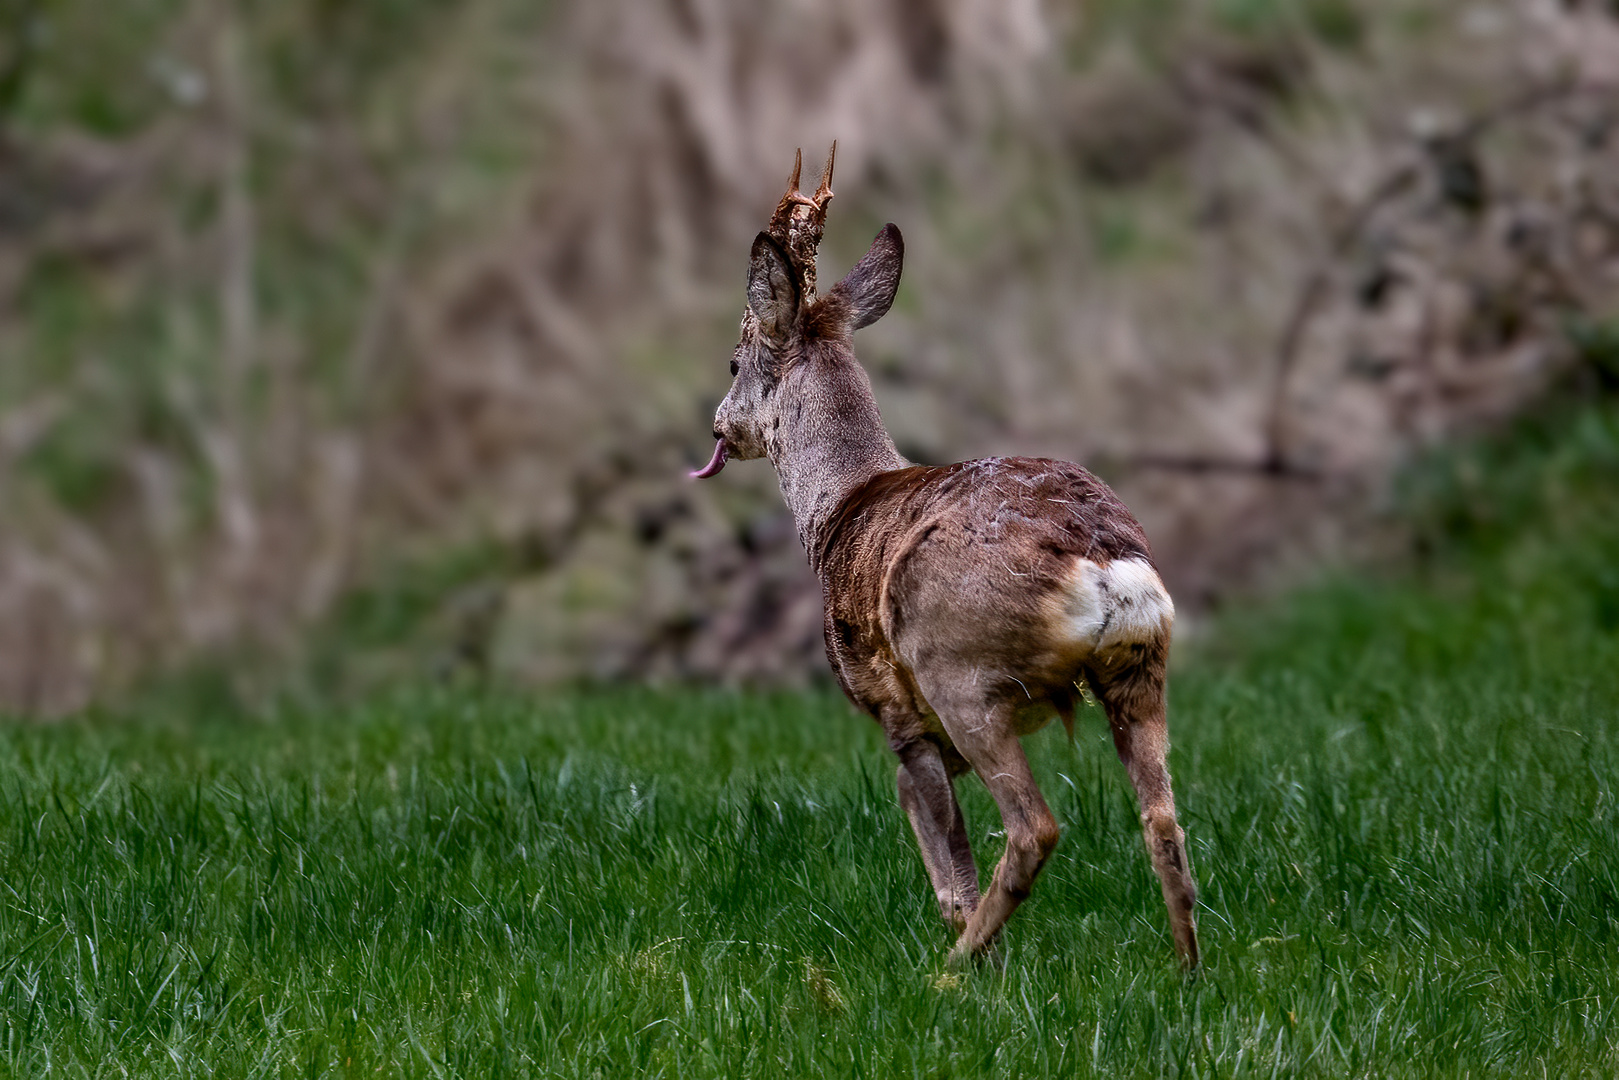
x,y
798,168
793,197
823,193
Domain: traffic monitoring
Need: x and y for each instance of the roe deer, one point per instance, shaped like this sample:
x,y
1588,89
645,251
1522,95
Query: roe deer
x,y
965,604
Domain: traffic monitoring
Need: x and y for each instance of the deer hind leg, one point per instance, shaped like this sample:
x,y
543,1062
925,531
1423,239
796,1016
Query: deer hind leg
x,y
985,737
929,800
1136,712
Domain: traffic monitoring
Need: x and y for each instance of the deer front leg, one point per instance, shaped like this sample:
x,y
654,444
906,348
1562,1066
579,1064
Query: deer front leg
x,y
929,800
1136,712
985,737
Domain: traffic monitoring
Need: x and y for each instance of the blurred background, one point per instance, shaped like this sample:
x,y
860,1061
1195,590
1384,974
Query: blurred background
x,y
346,341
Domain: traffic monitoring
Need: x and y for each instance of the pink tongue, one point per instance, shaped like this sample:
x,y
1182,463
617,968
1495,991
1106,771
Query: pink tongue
x,y
715,464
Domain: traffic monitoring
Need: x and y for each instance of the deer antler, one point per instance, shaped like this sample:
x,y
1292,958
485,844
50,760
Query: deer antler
x,y
800,220
823,192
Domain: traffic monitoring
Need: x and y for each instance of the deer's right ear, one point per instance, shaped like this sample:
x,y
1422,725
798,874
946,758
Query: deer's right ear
x,y
772,288
867,292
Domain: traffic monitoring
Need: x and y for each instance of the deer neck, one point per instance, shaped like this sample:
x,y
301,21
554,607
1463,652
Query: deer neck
x,y
831,441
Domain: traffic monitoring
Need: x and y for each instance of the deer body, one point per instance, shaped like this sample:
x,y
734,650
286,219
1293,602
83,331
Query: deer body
x,y
967,566
964,604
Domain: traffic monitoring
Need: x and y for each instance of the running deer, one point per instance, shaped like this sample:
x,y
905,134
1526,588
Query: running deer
x,y
967,604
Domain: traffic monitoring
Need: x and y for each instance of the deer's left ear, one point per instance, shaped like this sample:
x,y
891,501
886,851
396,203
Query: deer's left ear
x,y
772,288
867,292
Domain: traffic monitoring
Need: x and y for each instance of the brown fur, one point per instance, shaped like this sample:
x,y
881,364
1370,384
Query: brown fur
x,y
923,563
950,591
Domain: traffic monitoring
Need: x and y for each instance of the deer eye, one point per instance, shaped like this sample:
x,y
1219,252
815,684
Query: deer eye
x,y
733,369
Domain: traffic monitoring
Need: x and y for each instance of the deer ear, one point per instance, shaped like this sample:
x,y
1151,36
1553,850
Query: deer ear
x,y
867,291
772,288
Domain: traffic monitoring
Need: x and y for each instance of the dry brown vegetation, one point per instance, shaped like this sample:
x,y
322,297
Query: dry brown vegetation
x,y
449,318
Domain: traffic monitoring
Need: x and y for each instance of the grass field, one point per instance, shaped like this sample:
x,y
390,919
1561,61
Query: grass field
x,y
1398,792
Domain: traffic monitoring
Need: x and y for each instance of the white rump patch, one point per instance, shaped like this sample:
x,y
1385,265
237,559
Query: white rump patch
x,y
1120,603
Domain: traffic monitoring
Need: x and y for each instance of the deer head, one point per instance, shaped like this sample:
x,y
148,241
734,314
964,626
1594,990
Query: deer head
x,y
784,317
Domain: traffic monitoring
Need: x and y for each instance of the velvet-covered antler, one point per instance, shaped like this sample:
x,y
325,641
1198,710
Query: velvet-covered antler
x,y
800,220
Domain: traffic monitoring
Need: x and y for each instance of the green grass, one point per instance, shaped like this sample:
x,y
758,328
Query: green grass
x,y
1398,793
